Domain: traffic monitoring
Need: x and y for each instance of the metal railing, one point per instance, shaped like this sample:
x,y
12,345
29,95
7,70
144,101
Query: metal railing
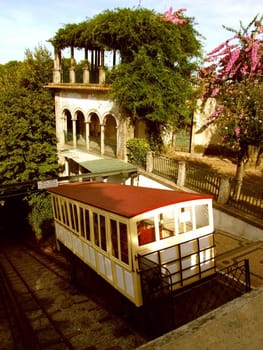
x,y
165,167
237,276
172,268
202,180
249,199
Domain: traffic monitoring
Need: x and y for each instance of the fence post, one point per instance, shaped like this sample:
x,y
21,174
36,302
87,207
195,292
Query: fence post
x,y
247,271
224,190
149,162
181,173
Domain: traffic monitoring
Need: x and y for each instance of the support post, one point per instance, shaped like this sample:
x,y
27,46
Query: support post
x,y
181,173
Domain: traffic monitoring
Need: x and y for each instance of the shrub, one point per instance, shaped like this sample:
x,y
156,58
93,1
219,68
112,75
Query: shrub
x,y
137,151
40,217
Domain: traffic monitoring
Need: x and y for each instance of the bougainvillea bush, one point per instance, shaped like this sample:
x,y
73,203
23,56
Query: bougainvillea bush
x,y
233,76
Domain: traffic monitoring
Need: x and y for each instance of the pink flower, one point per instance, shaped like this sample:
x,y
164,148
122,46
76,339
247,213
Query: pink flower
x,y
174,17
254,56
233,57
214,92
237,131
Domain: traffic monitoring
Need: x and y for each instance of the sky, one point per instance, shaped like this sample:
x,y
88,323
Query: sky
x,y
26,24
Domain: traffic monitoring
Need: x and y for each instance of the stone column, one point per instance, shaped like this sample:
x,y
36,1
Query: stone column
x,y
57,67
224,190
102,75
87,135
102,138
74,131
149,162
72,74
85,68
181,173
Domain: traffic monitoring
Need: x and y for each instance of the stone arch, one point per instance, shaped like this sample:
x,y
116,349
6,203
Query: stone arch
x,y
68,128
80,128
94,130
110,134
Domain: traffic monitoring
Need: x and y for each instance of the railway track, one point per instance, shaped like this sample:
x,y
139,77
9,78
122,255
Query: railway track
x,y
45,311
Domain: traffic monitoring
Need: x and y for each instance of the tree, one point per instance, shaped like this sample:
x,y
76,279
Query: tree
x,y
234,78
27,130
27,123
154,80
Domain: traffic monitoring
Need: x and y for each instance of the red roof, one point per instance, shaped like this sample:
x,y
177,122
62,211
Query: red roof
x,y
123,200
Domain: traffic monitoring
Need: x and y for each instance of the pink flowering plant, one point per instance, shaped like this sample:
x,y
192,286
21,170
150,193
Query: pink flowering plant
x,y
233,75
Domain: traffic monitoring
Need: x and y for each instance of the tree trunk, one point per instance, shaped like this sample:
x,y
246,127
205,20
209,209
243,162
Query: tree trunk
x,y
260,156
253,155
240,172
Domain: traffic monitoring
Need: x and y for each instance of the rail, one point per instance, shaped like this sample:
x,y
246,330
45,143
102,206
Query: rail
x,y
18,293
25,335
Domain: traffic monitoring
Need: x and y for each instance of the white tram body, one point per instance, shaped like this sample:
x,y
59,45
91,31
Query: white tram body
x,y
111,226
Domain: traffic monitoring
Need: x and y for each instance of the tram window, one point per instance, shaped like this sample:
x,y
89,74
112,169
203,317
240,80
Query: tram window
x,y
124,242
55,206
96,229
99,231
166,224
58,209
65,212
71,216
185,220
75,213
82,222
146,231
87,224
103,233
74,216
201,216
114,238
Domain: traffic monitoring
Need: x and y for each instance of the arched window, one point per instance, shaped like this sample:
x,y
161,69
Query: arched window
x,y
110,133
94,131
68,127
80,128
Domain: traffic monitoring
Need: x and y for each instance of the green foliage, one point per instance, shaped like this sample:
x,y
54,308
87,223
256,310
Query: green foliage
x,y
40,217
27,130
137,150
154,80
27,123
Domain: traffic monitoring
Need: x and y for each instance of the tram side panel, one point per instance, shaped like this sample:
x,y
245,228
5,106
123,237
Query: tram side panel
x,y
116,268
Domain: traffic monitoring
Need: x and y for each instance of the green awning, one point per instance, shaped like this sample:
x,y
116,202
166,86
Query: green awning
x,y
108,166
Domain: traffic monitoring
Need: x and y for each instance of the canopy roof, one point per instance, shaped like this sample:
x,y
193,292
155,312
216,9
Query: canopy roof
x,y
127,201
107,165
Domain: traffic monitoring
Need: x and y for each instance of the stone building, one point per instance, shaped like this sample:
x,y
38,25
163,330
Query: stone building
x,y
87,120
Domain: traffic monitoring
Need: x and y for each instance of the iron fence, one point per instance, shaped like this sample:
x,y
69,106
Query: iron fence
x,y
249,198
165,167
202,180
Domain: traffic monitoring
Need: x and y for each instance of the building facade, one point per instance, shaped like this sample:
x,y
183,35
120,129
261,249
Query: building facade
x,y
87,119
